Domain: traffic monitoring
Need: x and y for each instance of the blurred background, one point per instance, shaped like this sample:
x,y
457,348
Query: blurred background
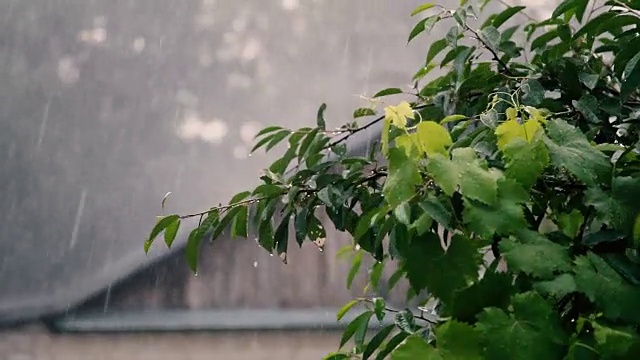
x,y
107,105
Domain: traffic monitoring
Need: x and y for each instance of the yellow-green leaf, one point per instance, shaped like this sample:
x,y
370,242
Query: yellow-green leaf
x,y
398,115
452,118
512,114
434,138
384,140
511,129
636,231
422,8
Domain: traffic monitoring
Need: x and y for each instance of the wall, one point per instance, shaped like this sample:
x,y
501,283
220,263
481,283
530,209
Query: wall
x,y
35,343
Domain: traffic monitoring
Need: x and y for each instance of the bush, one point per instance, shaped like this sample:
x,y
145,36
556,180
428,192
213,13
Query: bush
x,y
507,191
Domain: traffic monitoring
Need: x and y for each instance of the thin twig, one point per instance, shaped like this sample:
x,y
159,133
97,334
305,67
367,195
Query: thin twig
x,y
227,207
394,311
491,50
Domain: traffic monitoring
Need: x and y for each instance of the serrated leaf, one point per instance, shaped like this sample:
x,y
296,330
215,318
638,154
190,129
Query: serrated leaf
x,y
505,217
438,212
587,106
402,179
345,309
525,161
456,266
618,207
570,223
414,347
421,8
616,342
532,332
558,287
398,115
616,298
457,340
493,290
535,255
568,148
510,130
433,137
467,171
160,226
376,341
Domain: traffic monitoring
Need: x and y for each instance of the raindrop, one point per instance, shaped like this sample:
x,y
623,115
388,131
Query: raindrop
x,y
107,298
195,274
255,264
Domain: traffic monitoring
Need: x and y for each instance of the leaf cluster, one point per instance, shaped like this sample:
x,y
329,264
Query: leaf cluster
x,y
505,191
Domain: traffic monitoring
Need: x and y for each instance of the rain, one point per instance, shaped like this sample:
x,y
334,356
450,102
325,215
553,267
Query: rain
x,y
108,105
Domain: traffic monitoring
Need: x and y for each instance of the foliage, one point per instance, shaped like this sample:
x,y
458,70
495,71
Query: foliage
x,y
524,152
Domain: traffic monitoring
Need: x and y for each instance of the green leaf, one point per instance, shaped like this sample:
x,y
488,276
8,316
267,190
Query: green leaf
x,y
414,347
240,221
434,138
616,342
452,118
589,80
337,356
379,307
268,130
607,289
345,309
403,213
493,290
359,323
277,138
532,332
406,322
506,217
160,226
170,232
505,15
588,106
361,112
535,255
454,267
424,25
631,77
564,7
466,170
355,268
306,143
402,179
391,345
438,212
376,341
619,207
558,287
421,8
281,238
525,161
491,37
570,223
322,124
387,92
192,251
457,340
569,149
435,48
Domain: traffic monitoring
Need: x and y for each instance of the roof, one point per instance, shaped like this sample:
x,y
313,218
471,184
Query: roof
x,y
106,106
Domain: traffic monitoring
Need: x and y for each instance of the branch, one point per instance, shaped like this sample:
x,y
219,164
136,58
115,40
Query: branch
x,y
394,311
364,127
227,207
491,50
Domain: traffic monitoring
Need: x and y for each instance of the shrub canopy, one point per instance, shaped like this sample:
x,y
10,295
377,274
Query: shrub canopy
x,y
506,191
